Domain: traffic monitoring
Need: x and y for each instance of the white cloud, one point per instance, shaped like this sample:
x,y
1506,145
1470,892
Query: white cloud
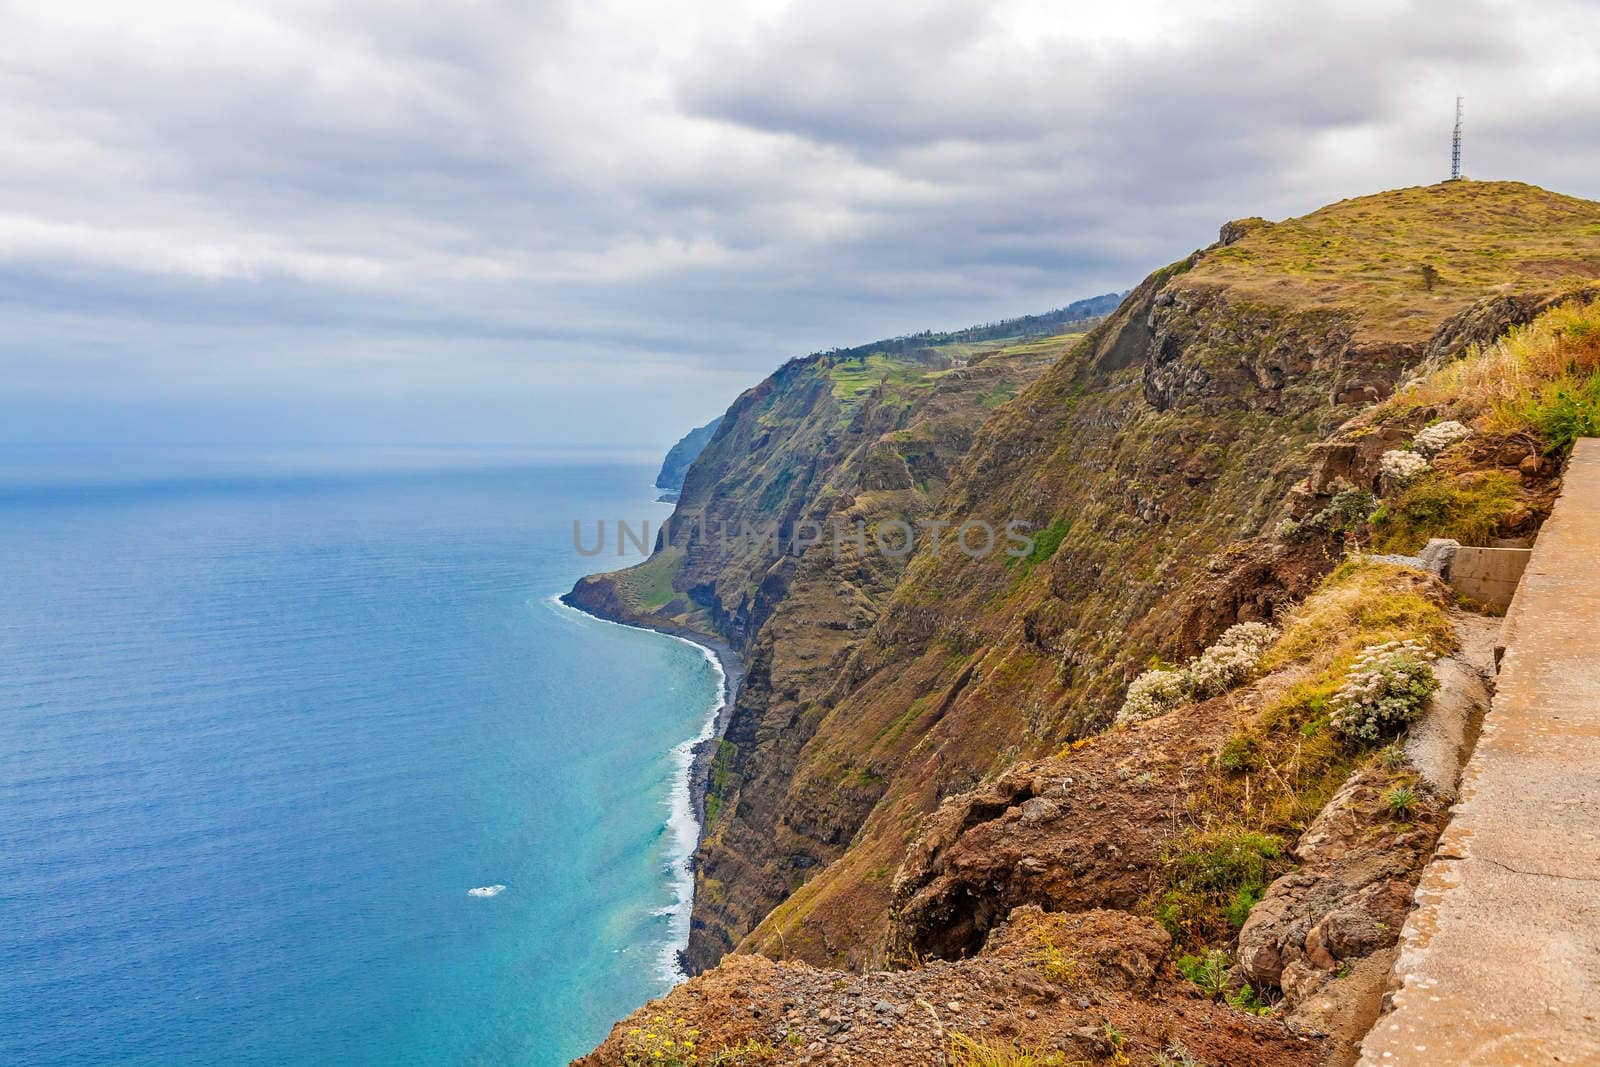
x,y
710,187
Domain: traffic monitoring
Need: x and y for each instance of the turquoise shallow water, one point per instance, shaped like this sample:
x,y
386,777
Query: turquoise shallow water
x,y
260,733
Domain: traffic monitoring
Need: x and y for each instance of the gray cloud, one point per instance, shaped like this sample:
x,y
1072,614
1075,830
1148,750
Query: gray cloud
x,y
596,222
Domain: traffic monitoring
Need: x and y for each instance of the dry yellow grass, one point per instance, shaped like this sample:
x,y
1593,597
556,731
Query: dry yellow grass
x,y
1367,255
1361,603
1491,385
973,1052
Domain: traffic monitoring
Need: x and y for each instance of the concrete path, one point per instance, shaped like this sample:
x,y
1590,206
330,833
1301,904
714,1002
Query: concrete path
x,y
1500,963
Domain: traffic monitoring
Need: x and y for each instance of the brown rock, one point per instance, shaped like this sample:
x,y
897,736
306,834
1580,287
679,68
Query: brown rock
x,y
1113,949
1349,898
1301,980
1039,810
1263,960
1317,954
984,853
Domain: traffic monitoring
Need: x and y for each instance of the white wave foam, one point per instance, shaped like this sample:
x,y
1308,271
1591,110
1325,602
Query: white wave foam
x,y
683,829
486,891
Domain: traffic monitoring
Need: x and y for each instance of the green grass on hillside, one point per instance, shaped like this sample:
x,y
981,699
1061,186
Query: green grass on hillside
x,y
1437,505
649,585
1041,346
1045,544
721,779
854,378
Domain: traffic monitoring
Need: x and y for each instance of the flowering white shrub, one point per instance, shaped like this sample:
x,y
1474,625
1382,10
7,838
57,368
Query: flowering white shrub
x,y
1432,440
1401,467
1220,668
1385,689
1229,662
1153,693
1255,636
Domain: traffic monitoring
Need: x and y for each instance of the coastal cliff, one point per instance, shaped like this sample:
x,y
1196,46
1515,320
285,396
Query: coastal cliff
x,y
826,443
920,752
681,455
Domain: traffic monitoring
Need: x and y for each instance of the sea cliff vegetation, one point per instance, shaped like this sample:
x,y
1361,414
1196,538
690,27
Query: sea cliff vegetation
x,y
927,748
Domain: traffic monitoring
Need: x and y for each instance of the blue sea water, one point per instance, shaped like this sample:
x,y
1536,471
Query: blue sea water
x,y
264,724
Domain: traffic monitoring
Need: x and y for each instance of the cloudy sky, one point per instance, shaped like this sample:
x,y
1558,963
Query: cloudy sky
x,y
593,223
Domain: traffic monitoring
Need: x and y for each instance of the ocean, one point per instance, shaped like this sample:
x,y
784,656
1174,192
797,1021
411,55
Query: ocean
x,y
267,720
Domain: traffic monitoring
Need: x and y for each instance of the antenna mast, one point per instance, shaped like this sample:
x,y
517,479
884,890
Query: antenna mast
x,y
1455,146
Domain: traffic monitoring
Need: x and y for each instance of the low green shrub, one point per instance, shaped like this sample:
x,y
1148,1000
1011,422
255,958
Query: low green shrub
x,y
1045,544
1435,505
1562,412
1212,972
1208,971
1238,753
1401,800
1246,999
1348,509
1237,910
1213,878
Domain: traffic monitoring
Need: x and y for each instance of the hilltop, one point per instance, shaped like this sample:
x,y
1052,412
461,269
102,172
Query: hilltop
x,y
895,776
1403,261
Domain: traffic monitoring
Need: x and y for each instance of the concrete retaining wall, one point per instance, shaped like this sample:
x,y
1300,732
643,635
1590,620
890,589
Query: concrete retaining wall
x,y
1485,576
1489,576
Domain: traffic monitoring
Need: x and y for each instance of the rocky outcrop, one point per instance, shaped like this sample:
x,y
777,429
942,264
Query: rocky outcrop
x,y
1490,318
1208,351
1359,868
1070,834
1100,948
1089,830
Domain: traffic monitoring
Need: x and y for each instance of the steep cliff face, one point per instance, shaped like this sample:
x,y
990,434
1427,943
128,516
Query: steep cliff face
x,y
826,441
1154,458
681,455
764,551
1156,461
1205,457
